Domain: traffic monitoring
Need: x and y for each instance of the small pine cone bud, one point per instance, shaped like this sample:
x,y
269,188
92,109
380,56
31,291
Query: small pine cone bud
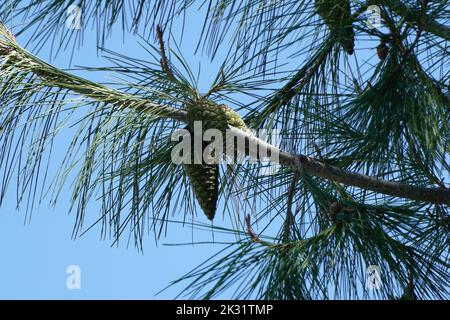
x,y
382,50
5,49
10,35
335,209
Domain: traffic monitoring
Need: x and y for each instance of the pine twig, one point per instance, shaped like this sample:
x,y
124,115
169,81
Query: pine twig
x,y
254,237
165,65
289,221
51,76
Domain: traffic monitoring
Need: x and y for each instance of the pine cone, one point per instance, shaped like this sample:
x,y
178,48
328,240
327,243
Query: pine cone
x,y
213,116
382,50
335,209
204,179
338,17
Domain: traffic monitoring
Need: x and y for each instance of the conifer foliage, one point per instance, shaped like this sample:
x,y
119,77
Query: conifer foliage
x,y
358,92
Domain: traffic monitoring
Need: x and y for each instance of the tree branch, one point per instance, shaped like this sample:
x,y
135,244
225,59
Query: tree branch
x,y
14,55
321,169
26,62
396,189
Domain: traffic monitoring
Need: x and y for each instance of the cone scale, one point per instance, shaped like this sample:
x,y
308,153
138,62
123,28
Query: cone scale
x,y
203,177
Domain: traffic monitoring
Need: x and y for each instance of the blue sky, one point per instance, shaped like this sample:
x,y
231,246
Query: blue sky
x,y
35,253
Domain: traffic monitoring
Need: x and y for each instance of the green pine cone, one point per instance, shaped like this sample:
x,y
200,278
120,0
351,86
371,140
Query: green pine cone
x,y
233,118
204,179
337,16
213,116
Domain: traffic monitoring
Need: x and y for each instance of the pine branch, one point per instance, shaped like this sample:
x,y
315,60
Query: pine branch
x,y
54,77
14,55
323,170
320,169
